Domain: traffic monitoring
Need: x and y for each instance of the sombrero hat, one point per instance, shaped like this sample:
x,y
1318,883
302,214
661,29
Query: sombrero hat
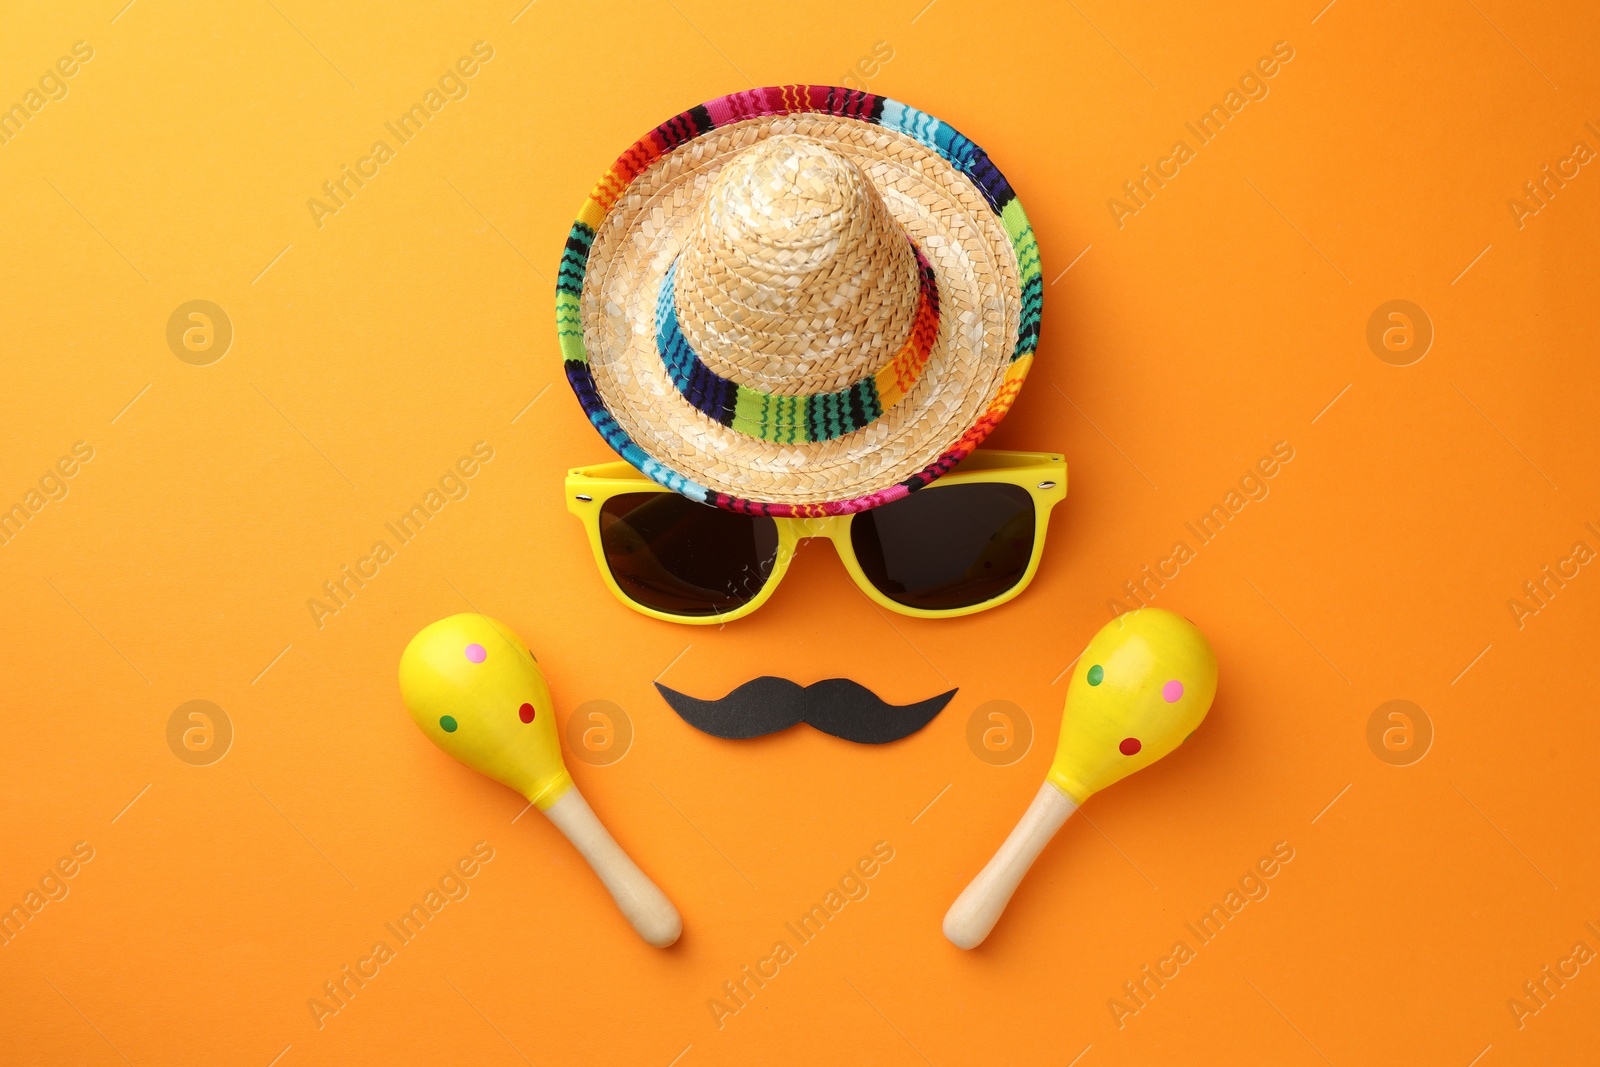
x,y
800,300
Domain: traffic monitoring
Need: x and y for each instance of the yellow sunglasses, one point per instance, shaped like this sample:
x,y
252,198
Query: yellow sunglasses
x,y
968,542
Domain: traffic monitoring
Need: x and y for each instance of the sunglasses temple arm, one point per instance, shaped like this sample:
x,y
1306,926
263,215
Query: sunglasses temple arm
x,y
978,908
641,902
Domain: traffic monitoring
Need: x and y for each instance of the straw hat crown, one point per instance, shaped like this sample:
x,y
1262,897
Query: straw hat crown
x,y
794,279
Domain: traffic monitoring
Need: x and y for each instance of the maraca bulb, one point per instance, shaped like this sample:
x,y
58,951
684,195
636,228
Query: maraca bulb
x,y
1139,690
476,692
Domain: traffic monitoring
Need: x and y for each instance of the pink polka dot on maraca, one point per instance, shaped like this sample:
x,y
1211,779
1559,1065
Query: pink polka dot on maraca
x,y
476,653
1172,691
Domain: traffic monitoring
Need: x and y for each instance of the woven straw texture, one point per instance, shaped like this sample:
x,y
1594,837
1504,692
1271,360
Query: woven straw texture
x,y
795,278
809,250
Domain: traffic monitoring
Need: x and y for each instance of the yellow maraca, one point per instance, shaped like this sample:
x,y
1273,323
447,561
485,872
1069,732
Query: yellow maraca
x,y
1139,690
477,693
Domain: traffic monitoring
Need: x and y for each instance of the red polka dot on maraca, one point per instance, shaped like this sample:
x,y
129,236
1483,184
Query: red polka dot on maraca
x,y
1130,746
525,713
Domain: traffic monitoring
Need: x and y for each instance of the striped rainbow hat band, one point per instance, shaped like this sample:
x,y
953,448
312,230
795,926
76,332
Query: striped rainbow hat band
x,y
789,419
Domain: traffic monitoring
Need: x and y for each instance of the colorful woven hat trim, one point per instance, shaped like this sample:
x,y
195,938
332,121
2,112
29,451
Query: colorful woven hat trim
x,y
788,420
786,100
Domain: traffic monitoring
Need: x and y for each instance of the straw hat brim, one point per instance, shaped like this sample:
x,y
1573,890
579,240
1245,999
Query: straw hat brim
x,y
937,185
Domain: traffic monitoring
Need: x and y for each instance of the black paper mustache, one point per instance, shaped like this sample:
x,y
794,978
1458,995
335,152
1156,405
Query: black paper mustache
x,y
835,706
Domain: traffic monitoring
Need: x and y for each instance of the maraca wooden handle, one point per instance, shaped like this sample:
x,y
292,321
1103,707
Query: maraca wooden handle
x,y
978,908
646,908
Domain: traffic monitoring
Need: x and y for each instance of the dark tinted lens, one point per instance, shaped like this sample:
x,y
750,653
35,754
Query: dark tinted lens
x,y
947,546
669,553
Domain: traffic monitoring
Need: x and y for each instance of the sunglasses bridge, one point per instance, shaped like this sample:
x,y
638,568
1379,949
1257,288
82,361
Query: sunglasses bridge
x,y
828,527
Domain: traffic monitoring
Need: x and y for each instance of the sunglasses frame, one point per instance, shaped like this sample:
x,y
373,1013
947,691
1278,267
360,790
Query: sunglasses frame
x,y
1042,474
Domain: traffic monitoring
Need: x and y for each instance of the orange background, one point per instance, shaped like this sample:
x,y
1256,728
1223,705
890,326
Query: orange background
x,y
1228,314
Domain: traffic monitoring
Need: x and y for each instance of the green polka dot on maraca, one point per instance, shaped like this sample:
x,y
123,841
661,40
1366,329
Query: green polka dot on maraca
x,y
1097,674
447,723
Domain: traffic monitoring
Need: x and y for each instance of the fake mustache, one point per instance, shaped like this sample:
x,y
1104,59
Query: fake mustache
x,y
835,706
